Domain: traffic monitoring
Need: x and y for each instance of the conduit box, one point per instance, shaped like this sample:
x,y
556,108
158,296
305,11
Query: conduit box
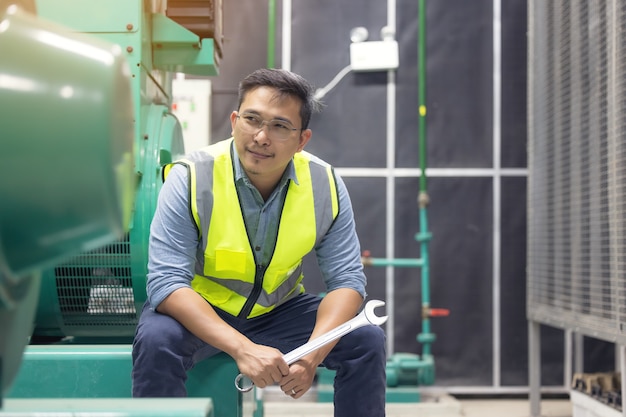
x,y
374,55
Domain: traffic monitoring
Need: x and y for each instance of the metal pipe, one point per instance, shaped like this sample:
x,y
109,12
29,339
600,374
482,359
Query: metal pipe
x,y
497,186
426,337
395,262
622,368
534,368
271,33
567,371
286,35
421,84
390,187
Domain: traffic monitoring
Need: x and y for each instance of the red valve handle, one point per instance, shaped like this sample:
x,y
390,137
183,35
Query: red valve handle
x,y
438,312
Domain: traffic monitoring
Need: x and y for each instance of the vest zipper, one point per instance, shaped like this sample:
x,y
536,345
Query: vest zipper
x,y
260,269
254,294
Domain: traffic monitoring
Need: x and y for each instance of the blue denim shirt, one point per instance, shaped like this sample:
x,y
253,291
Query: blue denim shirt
x,y
174,242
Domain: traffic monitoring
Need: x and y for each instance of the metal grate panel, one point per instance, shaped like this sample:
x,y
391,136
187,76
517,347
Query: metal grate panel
x,y
577,166
95,288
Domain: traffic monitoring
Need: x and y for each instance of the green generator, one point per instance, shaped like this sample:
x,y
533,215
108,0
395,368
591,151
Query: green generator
x,y
89,304
99,294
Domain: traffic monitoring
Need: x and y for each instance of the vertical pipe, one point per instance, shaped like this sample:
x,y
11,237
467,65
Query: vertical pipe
x,y
271,33
622,368
617,356
423,193
579,351
567,369
534,367
390,195
534,334
286,35
421,84
426,351
497,45
390,187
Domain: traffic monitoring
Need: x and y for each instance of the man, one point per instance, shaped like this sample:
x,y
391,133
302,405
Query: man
x,y
232,224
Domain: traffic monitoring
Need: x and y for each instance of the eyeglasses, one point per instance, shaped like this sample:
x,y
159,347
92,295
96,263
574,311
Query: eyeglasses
x,y
277,129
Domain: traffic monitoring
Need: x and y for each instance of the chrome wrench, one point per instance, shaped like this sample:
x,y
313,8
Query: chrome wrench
x,y
364,318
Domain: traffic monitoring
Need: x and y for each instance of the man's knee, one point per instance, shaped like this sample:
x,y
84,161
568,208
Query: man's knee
x,y
364,341
158,333
371,338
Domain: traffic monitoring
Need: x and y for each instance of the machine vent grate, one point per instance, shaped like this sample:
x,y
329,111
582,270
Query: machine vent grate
x,y
95,288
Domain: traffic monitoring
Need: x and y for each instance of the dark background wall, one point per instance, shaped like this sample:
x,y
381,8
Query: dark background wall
x,y
350,133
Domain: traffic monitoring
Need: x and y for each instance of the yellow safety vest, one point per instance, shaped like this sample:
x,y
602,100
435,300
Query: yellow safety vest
x,y
226,274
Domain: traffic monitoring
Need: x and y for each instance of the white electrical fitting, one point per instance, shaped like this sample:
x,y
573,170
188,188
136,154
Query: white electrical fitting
x,y
367,55
374,55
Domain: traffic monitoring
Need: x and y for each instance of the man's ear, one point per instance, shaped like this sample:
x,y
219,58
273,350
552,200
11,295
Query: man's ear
x,y
305,136
233,120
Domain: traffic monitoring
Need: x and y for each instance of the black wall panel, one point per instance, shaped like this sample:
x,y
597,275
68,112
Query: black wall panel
x,y
245,49
459,83
351,133
351,130
513,63
513,282
461,278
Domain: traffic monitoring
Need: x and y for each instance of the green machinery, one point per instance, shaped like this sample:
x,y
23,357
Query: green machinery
x,y
62,231
67,169
100,293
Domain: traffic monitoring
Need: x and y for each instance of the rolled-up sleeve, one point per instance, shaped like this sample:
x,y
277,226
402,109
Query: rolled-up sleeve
x,y
339,252
173,240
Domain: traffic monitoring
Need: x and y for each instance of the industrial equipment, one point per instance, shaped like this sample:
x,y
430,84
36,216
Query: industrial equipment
x,y
78,195
66,160
99,294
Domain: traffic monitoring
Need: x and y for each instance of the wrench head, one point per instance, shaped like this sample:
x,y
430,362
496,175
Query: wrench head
x,y
370,306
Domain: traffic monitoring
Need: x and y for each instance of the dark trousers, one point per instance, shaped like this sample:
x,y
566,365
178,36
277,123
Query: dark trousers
x,y
163,352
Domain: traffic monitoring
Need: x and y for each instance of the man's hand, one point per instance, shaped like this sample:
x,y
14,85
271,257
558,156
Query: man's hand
x,y
336,308
264,365
299,380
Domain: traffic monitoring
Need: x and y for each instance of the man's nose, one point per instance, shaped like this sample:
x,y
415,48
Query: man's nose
x,y
261,135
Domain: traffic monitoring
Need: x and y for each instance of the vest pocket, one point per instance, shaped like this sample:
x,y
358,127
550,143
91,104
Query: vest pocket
x,y
225,261
277,278
217,295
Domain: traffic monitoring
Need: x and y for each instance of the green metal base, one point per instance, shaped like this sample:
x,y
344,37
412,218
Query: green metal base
x,y
325,393
403,395
408,369
119,407
406,372
103,371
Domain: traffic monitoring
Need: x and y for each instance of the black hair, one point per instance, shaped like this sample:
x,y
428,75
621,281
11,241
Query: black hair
x,y
286,83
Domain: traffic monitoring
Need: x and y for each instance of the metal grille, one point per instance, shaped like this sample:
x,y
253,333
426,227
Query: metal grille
x,y
95,288
577,166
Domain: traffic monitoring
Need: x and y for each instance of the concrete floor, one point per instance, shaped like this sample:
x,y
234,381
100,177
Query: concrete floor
x,y
463,408
278,405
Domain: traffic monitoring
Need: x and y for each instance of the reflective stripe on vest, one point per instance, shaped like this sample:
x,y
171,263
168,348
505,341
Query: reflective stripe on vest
x,y
225,267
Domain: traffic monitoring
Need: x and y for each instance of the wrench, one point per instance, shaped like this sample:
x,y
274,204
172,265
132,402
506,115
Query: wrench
x,y
364,318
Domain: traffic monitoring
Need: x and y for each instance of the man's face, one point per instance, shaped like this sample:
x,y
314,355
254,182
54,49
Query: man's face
x,y
264,158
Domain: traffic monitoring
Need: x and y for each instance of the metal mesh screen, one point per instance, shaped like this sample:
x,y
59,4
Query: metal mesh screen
x,y
95,288
577,166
